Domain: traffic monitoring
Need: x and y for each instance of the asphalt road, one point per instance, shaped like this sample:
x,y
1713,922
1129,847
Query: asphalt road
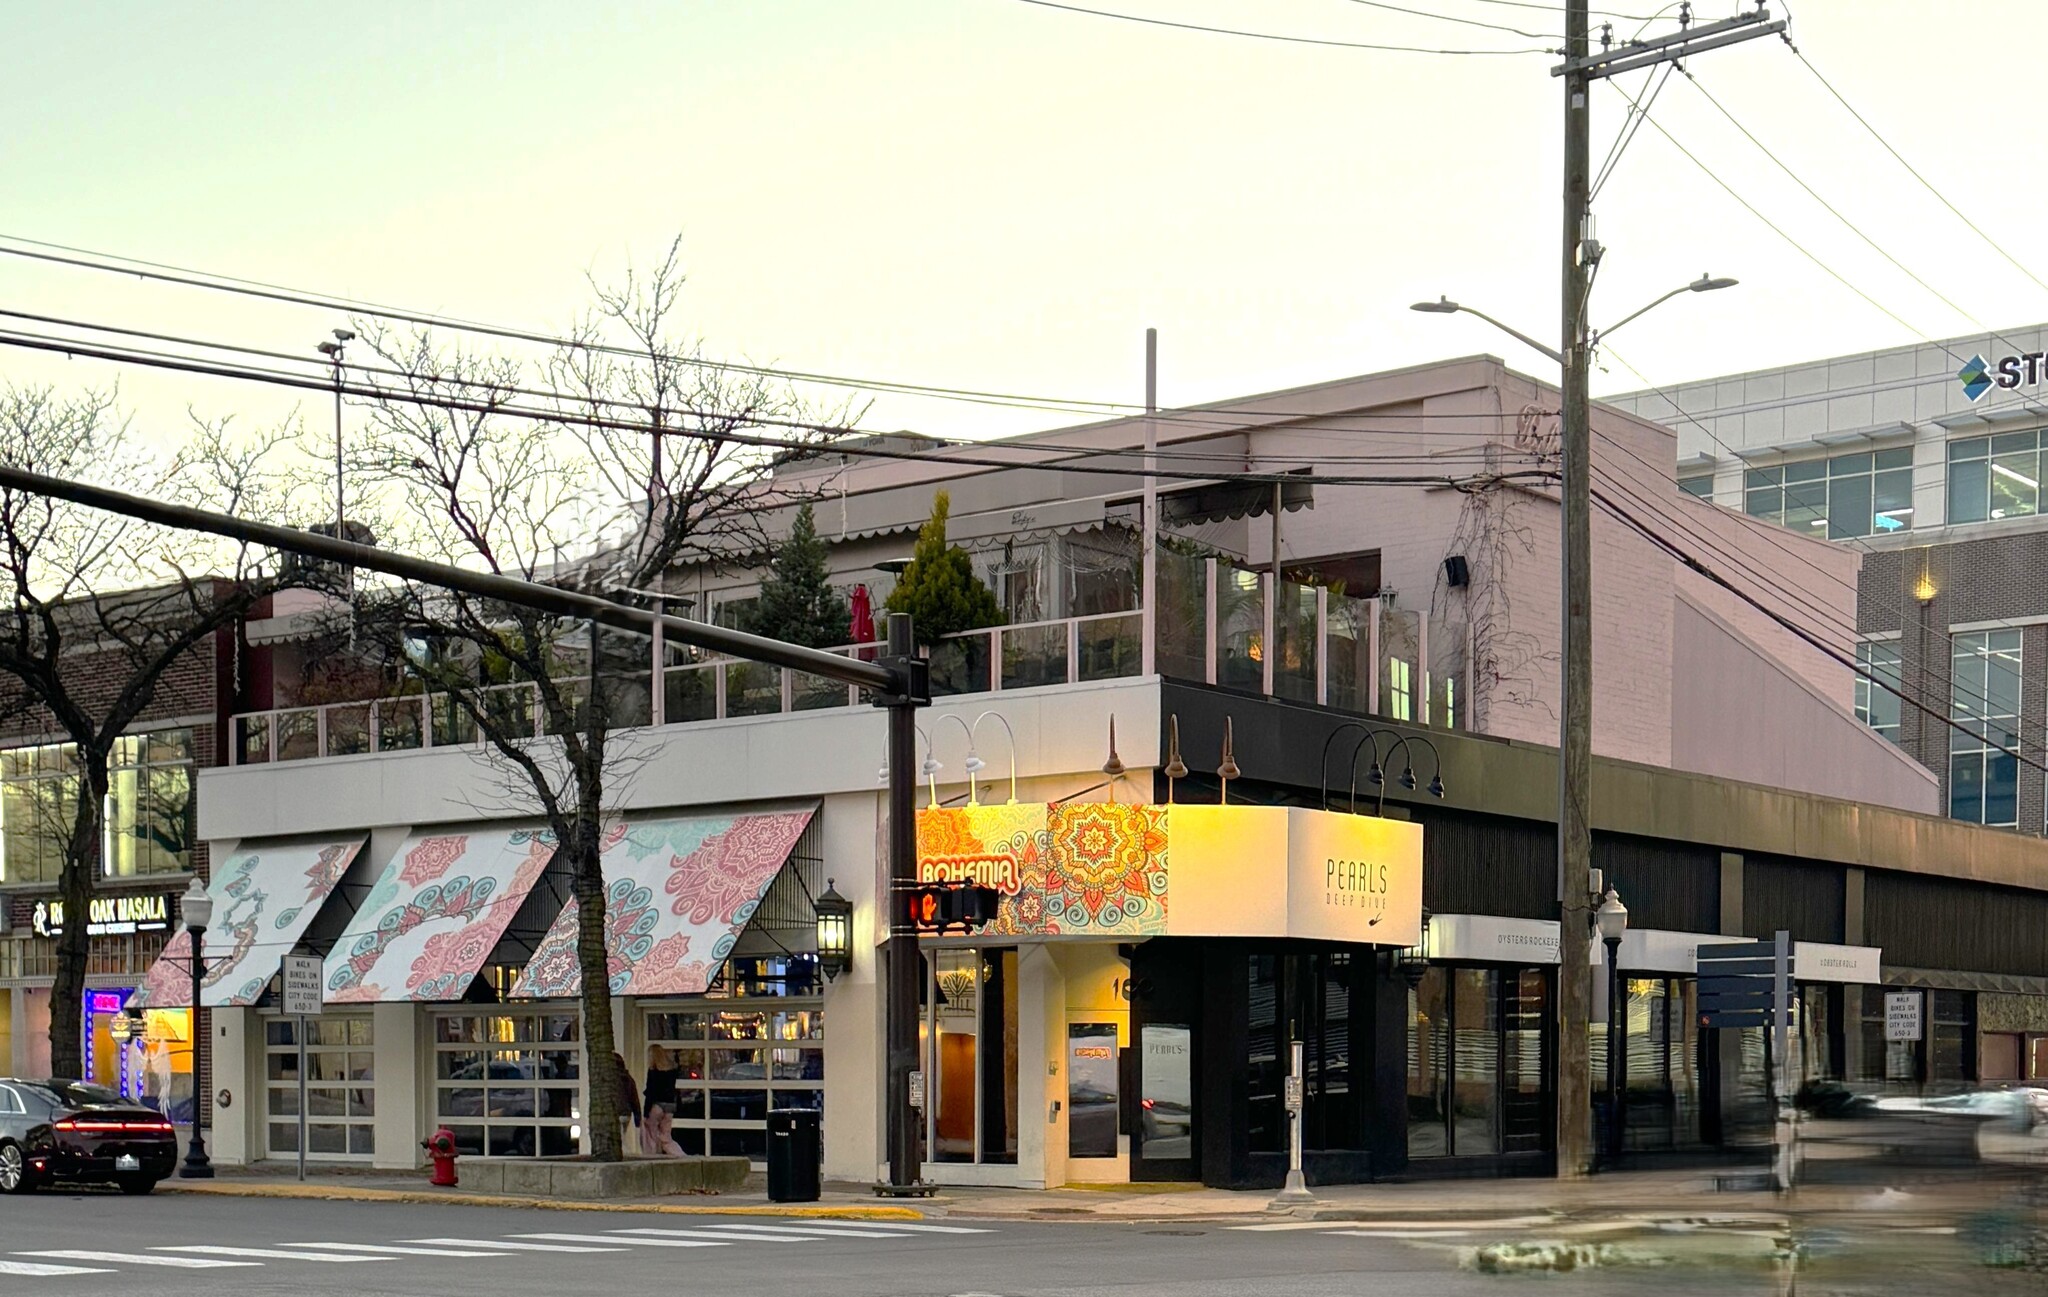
x,y
92,1244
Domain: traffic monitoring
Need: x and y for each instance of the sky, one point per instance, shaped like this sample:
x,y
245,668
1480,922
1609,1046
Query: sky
x,y
998,195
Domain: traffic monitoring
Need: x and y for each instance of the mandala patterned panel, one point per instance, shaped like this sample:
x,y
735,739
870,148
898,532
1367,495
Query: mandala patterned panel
x,y
1076,869
265,896
435,914
677,893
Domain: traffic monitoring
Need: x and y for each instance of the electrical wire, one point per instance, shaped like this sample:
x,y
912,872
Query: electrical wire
x,y
1626,136
1913,171
1268,36
1832,210
1551,8
180,276
943,456
1477,453
1677,552
1453,18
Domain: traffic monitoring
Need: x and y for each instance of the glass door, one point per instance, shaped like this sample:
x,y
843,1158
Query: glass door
x,y
970,1050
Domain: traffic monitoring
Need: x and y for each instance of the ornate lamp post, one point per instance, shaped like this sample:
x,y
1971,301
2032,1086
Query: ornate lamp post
x,y
197,908
1612,920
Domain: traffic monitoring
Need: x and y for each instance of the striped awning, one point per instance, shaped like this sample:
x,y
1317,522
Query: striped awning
x,y
436,913
677,893
265,896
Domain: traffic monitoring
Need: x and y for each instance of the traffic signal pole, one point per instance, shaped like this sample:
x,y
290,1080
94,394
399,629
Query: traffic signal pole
x,y
900,965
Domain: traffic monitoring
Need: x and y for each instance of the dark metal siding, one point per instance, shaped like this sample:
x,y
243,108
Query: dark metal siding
x,y
1485,864
1670,885
1940,923
1797,897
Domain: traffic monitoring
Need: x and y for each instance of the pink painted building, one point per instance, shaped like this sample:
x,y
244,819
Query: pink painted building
x,y
1431,600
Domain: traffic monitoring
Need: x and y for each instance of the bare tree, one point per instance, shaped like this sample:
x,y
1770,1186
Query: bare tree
x,y
629,472
107,609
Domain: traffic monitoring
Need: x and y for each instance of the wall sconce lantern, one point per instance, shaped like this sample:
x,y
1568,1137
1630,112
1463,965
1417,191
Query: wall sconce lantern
x,y
835,931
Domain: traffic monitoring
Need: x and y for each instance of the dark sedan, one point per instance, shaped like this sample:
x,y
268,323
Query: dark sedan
x,y
71,1132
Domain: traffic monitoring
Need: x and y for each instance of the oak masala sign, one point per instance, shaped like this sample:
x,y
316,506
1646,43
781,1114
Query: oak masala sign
x,y
1116,869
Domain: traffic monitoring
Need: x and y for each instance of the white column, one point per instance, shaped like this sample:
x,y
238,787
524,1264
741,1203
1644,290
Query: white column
x,y
404,1084
237,1136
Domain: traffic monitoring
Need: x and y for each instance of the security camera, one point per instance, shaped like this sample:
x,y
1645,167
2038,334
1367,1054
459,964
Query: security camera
x,y
328,348
344,335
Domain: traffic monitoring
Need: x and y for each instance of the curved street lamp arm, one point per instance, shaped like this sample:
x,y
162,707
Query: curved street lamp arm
x,y
1372,737
1521,337
1601,333
1437,781
1323,766
1002,720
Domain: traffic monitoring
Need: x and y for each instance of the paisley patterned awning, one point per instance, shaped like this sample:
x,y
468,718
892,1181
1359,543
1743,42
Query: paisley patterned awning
x,y
677,892
436,913
265,896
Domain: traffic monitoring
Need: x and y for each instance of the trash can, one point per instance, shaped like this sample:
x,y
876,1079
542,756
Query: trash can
x,y
793,1155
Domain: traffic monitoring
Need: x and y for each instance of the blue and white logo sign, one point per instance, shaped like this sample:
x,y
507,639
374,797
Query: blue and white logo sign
x,y
2026,367
1975,381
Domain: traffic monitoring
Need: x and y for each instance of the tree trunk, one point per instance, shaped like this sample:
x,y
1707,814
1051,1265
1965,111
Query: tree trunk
x,y
75,888
586,880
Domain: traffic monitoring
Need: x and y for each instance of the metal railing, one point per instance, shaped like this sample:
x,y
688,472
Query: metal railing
x,y
1217,622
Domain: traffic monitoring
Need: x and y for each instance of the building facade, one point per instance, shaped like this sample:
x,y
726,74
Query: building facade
x,y
1924,461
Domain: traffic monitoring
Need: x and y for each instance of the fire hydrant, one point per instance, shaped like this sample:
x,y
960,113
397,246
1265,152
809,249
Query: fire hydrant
x,y
440,1148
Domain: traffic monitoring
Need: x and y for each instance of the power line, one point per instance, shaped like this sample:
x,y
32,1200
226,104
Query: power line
x,y
1627,134
1551,8
1453,18
1678,553
1268,36
320,367
943,456
1913,171
1831,208
181,276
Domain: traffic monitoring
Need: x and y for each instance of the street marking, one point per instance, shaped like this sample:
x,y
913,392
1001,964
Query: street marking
x,y
636,1242
812,1231
136,1258
32,1267
877,1227
1297,1224
1402,1233
267,1253
733,1237
393,1247
507,1243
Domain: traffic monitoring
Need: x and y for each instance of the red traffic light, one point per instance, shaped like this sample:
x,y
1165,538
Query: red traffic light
x,y
940,906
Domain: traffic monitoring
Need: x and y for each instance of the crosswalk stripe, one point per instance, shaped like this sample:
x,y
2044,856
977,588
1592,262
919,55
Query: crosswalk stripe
x,y
517,1247
394,1247
813,1231
267,1253
137,1258
35,1267
877,1227
613,1238
733,1237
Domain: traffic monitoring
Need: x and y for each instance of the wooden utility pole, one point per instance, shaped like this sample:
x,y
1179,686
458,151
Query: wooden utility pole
x,y
1581,68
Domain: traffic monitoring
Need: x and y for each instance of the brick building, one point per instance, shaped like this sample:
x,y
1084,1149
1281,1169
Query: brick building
x,y
152,849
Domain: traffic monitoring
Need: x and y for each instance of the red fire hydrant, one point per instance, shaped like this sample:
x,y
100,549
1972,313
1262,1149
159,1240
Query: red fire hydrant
x,y
440,1148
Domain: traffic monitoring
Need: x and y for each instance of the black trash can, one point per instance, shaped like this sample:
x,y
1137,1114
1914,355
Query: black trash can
x,y
794,1152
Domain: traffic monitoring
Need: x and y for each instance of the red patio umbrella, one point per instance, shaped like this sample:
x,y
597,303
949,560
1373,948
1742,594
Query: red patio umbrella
x,y
863,615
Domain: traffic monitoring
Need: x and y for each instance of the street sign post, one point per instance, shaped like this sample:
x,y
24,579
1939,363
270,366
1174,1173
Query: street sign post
x,y
1749,984
302,1000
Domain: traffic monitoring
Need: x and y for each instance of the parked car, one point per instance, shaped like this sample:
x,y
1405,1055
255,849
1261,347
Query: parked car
x,y
71,1132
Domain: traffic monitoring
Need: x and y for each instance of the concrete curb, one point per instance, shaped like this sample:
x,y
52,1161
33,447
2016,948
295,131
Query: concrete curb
x,y
343,1193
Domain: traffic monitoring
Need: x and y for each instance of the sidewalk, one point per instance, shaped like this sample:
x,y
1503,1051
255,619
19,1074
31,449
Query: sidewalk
x,y
1690,1194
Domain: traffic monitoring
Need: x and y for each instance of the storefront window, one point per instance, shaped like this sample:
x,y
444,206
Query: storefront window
x,y
509,1084
1305,997
971,1036
147,1058
1476,1074
733,1066
341,1094
1662,1056
1951,1030
149,826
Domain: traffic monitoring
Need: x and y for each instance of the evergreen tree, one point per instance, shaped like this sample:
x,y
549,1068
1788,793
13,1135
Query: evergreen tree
x,y
796,605
939,589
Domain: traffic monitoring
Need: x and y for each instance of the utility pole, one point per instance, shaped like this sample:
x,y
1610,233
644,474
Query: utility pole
x,y
1581,68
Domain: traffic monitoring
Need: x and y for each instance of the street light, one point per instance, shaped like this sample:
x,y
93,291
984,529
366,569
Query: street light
x,y
197,909
1445,306
835,931
332,350
1612,920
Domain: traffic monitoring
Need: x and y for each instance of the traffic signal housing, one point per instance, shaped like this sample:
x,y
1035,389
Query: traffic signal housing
x,y
939,907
